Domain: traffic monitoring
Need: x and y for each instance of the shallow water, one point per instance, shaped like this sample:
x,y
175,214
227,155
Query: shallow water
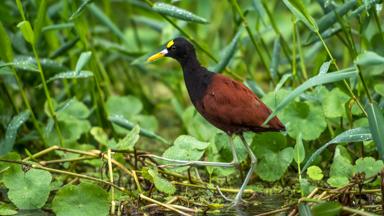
x,y
261,204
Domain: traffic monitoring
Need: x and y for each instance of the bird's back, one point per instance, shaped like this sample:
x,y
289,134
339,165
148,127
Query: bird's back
x,y
233,108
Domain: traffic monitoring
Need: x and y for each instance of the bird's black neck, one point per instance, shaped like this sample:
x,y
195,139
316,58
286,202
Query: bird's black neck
x,y
196,77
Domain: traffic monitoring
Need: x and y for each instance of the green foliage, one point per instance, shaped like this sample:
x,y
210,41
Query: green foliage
x,y
84,199
334,103
376,125
299,151
26,29
28,190
6,144
128,142
315,173
6,209
327,209
272,166
369,166
160,183
176,12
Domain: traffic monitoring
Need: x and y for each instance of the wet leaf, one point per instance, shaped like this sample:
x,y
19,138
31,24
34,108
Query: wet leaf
x,y
299,10
352,135
325,67
29,190
82,61
6,144
173,11
273,165
71,75
84,199
314,81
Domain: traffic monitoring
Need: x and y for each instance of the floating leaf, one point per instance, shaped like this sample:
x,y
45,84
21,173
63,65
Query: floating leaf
x,y
71,75
28,190
26,29
376,125
327,209
299,151
314,81
83,60
6,145
173,11
228,53
273,165
315,173
84,199
352,135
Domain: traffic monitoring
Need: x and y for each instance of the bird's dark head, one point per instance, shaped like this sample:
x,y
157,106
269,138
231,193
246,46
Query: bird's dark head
x,y
179,48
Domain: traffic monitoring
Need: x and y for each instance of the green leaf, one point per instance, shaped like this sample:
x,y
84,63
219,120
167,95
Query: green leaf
x,y
325,67
29,190
273,165
300,115
304,210
26,29
315,173
173,11
227,53
6,209
122,122
329,19
129,141
39,21
314,81
82,61
71,75
341,170
7,51
379,88
369,166
105,20
263,143
126,106
73,109
334,103
79,10
338,181
299,10
6,145
99,135
369,58
376,125
224,149
160,183
327,209
196,125
349,136
85,199
299,151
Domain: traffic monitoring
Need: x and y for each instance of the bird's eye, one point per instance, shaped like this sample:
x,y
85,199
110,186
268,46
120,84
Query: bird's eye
x,y
173,47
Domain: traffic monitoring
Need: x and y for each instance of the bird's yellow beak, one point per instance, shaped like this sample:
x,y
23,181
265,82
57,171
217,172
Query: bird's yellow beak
x,y
158,55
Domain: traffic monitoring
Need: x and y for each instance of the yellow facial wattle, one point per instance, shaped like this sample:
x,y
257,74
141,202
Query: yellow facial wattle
x,y
170,43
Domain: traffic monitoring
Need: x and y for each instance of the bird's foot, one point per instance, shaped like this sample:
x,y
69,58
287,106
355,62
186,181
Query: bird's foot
x,y
234,202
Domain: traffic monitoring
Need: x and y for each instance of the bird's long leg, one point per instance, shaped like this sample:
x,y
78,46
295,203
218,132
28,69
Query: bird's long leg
x,y
196,163
249,174
235,160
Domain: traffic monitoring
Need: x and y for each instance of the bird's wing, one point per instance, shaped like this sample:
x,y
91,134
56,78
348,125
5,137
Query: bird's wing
x,y
230,102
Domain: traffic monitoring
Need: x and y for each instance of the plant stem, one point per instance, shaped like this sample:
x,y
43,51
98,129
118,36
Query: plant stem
x,y
357,211
110,171
142,196
364,84
245,24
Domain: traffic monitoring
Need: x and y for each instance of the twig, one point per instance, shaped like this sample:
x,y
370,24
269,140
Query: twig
x,y
66,160
228,190
110,171
274,211
142,196
37,166
357,211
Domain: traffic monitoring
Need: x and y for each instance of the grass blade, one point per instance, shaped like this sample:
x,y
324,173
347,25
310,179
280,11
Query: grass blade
x,y
178,13
298,9
79,10
39,21
376,125
314,81
83,60
352,135
71,75
26,29
228,53
275,58
7,52
123,122
60,26
10,135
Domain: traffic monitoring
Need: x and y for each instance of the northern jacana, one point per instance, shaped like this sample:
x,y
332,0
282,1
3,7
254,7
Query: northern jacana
x,y
227,104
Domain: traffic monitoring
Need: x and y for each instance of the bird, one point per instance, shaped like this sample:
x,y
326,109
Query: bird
x,y
224,102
